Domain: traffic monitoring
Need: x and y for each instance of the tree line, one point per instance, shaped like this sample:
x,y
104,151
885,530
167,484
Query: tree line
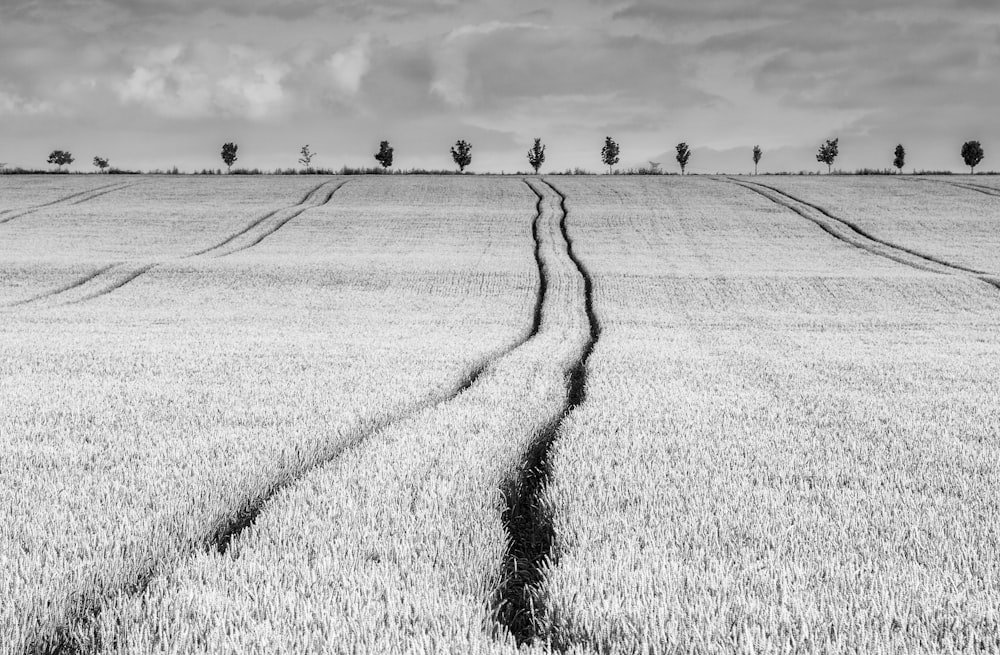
x,y
461,153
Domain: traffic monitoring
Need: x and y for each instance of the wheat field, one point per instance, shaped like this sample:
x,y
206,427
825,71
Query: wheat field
x,y
419,414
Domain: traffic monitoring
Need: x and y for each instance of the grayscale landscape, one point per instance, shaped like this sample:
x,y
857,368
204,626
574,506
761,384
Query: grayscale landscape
x,y
346,327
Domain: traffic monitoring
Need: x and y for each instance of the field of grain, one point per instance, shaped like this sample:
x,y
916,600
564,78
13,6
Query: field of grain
x,y
487,414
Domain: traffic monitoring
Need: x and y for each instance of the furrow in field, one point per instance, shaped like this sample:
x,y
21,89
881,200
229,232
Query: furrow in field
x,y
527,521
69,637
107,279
72,199
265,224
852,234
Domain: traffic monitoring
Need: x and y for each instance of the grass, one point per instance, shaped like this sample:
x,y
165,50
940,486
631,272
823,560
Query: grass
x,y
135,424
787,443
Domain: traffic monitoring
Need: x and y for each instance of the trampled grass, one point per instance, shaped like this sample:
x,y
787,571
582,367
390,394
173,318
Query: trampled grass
x,y
788,443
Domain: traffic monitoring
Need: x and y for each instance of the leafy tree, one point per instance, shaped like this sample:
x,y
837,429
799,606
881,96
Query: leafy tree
x,y
900,157
229,155
461,152
828,152
757,154
60,158
972,153
307,156
384,155
536,156
101,162
609,153
683,155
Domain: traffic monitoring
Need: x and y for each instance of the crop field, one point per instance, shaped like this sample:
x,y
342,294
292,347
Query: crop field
x,y
476,414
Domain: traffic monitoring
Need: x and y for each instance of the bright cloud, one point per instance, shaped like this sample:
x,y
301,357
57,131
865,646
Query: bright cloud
x,y
349,66
206,80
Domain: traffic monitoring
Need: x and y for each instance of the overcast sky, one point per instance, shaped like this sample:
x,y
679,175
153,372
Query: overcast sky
x,y
158,83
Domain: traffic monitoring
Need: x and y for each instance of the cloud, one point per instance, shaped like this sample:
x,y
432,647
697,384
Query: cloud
x,y
349,66
206,80
14,104
452,77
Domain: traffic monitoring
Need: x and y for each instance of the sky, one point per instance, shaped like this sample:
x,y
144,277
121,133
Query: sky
x,y
163,83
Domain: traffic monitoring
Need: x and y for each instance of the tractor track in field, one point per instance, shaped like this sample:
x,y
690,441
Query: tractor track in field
x,y
72,199
854,235
971,186
73,635
110,278
518,601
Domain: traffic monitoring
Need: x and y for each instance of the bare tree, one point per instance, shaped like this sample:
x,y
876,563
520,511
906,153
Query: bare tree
x,y
307,156
536,156
461,152
609,153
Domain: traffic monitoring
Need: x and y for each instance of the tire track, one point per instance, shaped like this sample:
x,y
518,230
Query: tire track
x,y
76,198
108,279
281,222
68,638
852,234
257,222
518,601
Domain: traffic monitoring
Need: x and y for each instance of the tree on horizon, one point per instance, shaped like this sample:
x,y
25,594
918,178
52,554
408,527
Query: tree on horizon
x,y
757,154
683,155
461,152
101,162
536,156
899,159
384,155
828,153
60,158
609,153
229,155
972,153
306,156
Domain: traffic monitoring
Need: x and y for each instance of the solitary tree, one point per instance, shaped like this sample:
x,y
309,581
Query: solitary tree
x,y
229,155
972,153
384,155
827,153
307,156
609,153
536,156
101,162
461,152
683,155
60,158
900,157
757,154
